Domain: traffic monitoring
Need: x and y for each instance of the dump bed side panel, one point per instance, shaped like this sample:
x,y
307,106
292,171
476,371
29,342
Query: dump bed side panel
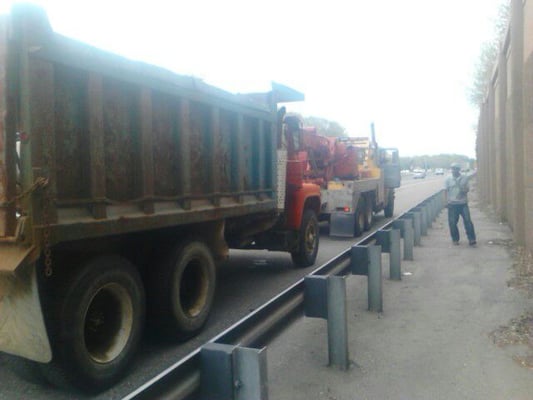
x,y
7,160
126,146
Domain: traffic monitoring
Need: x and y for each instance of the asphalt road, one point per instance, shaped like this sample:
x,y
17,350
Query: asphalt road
x,y
246,281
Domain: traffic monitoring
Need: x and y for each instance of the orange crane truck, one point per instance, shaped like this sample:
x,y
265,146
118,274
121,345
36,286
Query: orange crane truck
x,y
357,180
121,186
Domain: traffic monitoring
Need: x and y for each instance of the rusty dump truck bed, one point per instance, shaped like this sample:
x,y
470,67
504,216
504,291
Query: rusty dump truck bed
x,y
107,145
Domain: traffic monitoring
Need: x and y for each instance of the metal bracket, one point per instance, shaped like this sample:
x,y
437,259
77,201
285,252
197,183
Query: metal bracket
x,y
389,240
233,373
366,260
423,219
406,230
415,217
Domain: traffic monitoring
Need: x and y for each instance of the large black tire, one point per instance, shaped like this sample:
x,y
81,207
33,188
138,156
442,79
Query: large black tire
x,y
389,208
308,240
182,289
369,213
98,324
359,223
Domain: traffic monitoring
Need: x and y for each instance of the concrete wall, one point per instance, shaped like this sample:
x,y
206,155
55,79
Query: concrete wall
x,y
505,130
528,120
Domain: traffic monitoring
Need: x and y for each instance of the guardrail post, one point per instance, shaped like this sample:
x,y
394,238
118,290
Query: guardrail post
x,y
325,297
440,200
232,373
337,323
366,260
423,220
429,213
424,210
415,217
406,230
434,208
389,240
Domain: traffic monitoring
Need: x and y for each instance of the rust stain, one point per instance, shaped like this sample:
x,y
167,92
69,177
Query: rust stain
x,y
3,183
165,148
2,130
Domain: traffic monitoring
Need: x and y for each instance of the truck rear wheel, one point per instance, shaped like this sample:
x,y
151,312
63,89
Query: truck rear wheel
x,y
359,223
308,241
369,213
182,289
389,208
100,316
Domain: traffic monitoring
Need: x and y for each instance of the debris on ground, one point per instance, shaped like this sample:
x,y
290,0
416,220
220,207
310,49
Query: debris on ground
x,y
519,331
522,270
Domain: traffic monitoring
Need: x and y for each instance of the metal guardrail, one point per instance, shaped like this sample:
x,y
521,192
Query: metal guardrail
x,y
182,381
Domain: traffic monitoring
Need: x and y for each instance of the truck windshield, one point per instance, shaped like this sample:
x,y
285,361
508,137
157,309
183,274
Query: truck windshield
x,y
389,156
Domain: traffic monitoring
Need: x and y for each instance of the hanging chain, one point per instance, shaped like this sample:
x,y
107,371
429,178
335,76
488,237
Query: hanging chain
x,y
38,184
47,201
46,234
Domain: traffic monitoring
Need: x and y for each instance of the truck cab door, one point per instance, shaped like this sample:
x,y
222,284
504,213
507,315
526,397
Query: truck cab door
x,y
390,165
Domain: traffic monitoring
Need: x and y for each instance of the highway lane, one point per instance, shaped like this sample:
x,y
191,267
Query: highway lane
x,y
246,281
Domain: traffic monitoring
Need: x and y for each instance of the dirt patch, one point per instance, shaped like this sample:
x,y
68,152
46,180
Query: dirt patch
x,y
519,331
522,270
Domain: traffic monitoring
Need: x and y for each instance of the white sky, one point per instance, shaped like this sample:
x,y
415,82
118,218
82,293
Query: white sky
x,y
405,65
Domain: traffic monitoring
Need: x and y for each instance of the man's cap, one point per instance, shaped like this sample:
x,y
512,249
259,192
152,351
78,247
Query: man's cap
x,y
455,166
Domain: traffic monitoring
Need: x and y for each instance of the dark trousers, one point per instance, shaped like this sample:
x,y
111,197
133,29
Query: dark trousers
x,y
454,211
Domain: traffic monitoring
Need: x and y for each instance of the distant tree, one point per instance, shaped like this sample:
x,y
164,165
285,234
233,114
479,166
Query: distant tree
x,y
487,59
325,127
488,56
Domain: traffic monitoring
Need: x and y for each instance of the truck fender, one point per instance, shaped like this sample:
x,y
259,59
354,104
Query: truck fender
x,y
307,197
22,329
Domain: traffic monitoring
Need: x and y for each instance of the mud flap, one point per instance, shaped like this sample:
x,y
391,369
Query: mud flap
x,y
342,224
22,329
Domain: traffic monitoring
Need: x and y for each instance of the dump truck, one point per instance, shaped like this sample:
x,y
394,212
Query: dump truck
x,y
357,179
122,185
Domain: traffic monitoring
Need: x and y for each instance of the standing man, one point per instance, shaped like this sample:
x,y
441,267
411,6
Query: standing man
x,y
457,202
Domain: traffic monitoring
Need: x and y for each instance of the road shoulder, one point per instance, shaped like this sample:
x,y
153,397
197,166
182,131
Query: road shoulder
x,y
446,331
